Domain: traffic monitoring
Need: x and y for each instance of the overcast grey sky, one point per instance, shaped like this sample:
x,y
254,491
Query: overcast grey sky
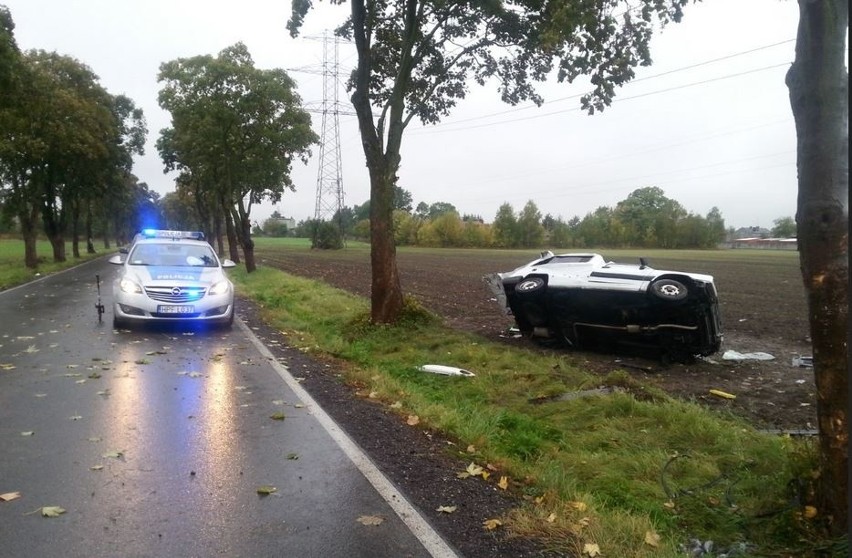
x,y
709,122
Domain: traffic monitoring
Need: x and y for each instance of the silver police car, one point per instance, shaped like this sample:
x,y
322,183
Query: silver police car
x,y
171,276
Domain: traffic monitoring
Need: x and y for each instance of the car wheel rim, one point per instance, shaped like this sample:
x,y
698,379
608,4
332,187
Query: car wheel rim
x,y
669,290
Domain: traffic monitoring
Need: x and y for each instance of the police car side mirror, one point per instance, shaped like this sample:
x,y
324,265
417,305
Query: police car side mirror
x,y
116,260
228,263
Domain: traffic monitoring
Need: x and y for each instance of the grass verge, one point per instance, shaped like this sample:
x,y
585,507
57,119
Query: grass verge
x,y
616,467
13,272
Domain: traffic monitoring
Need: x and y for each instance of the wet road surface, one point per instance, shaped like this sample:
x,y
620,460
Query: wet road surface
x,y
155,441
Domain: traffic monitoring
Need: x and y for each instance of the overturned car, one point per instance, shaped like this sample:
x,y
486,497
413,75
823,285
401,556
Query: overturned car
x,y
584,301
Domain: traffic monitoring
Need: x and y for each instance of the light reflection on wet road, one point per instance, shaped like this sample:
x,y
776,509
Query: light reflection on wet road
x,y
156,440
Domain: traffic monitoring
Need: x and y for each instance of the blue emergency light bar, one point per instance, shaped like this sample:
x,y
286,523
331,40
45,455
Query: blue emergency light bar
x,y
158,233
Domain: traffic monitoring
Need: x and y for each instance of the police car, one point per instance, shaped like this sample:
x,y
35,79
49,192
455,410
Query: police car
x,y
582,300
171,276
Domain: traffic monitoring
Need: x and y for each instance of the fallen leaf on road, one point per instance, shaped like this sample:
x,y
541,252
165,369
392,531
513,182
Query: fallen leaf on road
x,y
142,361
446,509
113,454
51,511
41,395
9,496
75,417
195,374
370,520
27,433
266,490
94,439
278,416
6,366
96,468
94,376
298,406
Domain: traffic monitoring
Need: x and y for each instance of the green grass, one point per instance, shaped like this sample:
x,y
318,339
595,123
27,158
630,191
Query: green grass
x,y
13,272
634,461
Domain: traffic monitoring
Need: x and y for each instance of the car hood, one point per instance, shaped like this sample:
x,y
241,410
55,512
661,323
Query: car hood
x,y
170,275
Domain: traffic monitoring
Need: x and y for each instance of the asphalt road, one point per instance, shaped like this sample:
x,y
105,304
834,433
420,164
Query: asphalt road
x,y
156,441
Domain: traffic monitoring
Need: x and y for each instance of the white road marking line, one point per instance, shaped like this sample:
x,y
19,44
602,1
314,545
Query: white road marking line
x,y
428,537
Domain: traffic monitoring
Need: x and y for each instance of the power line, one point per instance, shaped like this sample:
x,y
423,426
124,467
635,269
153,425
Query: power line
x,y
637,80
616,100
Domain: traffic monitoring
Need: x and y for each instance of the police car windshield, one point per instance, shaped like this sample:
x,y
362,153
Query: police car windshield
x,y
172,254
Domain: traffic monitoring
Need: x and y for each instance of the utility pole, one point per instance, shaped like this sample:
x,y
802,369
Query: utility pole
x,y
330,195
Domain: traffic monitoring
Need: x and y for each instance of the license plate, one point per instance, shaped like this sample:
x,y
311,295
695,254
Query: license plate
x,y
162,309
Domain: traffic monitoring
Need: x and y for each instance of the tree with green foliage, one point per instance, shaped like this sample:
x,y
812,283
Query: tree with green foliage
x,y
236,127
650,217
784,227
530,230
818,82
416,59
505,227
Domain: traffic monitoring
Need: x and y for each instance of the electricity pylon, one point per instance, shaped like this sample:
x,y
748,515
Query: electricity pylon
x,y
329,198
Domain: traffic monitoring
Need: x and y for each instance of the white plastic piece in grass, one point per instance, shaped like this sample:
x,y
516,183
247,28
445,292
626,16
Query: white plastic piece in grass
x,y
446,370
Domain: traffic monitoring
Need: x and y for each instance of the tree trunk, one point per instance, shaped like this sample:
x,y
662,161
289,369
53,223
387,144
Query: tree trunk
x,y
90,244
75,229
818,84
386,292
29,231
233,242
247,243
386,299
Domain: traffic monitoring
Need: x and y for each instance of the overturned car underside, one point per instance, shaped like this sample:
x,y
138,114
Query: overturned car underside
x,y
584,301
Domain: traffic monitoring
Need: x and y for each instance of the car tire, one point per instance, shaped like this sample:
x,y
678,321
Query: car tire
x,y
669,290
530,285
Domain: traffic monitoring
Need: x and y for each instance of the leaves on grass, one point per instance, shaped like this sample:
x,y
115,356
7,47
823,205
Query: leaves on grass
x,y
652,539
504,482
371,520
579,506
446,509
413,420
266,490
491,524
278,416
471,449
52,511
591,550
551,518
9,496
810,512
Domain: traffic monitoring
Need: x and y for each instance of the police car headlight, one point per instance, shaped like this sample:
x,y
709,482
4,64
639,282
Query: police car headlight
x,y
221,287
129,286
